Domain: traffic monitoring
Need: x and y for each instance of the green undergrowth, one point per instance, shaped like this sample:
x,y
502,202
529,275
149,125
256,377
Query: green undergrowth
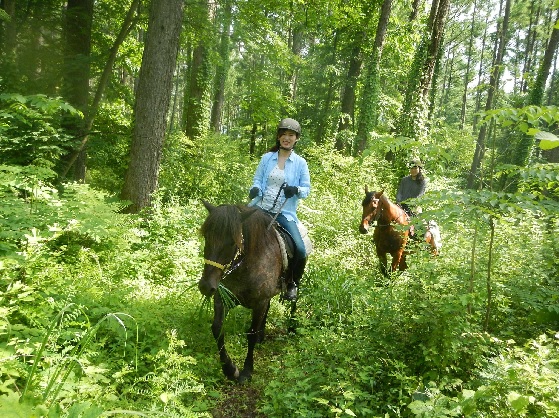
x,y
101,315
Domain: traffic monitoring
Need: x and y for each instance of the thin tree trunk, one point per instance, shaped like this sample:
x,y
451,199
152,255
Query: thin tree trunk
x,y
348,95
471,280
468,68
493,86
221,71
199,83
327,108
369,100
488,283
537,93
530,44
480,75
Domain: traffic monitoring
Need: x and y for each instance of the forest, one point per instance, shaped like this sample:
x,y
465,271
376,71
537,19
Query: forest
x,y
118,119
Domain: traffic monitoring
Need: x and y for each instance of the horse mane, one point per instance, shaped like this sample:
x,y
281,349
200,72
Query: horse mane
x,y
225,220
386,203
231,220
368,197
255,230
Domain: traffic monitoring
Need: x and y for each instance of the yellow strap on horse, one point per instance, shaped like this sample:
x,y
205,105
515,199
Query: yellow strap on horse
x,y
213,263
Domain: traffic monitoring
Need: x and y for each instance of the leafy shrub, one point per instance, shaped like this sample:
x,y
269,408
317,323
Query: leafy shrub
x,y
31,129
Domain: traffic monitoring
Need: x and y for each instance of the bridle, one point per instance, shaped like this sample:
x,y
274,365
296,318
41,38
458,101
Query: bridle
x,y
231,265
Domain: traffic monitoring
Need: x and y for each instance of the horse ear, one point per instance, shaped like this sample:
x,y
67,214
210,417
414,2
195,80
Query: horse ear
x,y
208,205
246,214
366,189
380,193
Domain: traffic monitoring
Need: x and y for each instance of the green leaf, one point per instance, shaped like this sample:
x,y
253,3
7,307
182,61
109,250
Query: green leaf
x,y
547,140
519,402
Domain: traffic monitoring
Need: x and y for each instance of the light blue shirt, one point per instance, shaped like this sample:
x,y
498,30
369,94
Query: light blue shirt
x,y
296,174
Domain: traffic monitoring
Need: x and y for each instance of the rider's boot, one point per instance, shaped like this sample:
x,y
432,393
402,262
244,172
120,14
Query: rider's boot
x,y
292,287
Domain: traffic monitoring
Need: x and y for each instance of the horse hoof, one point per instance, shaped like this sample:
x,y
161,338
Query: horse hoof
x,y
230,371
244,378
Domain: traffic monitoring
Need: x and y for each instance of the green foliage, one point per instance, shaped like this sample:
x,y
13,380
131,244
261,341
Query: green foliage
x,y
31,129
204,169
414,344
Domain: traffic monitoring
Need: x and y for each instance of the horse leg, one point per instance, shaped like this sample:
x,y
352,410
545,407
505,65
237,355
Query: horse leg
x,y
261,332
292,323
403,264
383,263
399,260
256,327
396,258
229,369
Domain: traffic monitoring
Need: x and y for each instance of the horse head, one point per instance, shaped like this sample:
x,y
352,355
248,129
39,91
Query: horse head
x,y
370,206
223,244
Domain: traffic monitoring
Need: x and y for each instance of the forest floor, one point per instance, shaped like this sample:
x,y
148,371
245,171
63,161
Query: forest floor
x,y
240,401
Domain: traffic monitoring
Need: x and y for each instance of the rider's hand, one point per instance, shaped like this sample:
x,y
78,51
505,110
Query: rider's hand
x,y
290,191
255,191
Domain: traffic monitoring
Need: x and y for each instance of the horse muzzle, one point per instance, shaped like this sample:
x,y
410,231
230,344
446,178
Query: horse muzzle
x,y
364,228
207,287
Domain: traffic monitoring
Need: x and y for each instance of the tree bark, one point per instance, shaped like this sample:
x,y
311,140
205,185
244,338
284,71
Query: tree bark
x,y
75,85
369,100
221,70
348,94
493,86
103,82
413,122
468,68
152,102
537,94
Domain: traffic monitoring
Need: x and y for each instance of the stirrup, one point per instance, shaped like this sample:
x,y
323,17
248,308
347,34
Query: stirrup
x,y
291,293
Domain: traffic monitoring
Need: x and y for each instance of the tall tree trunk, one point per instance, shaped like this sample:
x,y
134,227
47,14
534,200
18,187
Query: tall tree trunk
x,y
125,29
152,102
296,43
221,70
493,86
552,91
75,85
8,28
368,115
413,122
480,75
199,83
348,93
468,68
326,109
530,44
537,93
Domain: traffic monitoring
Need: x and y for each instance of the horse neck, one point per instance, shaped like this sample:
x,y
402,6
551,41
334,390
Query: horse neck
x,y
256,233
390,212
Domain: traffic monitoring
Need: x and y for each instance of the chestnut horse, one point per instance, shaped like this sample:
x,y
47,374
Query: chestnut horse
x,y
388,237
243,256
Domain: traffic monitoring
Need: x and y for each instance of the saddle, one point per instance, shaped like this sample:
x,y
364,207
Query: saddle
x,y
286,244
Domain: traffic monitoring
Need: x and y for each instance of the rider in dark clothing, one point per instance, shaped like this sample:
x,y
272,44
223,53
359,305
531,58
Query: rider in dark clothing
x,y
411,186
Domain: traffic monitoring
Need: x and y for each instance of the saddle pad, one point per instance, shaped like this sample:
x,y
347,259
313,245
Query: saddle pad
x,y
284,255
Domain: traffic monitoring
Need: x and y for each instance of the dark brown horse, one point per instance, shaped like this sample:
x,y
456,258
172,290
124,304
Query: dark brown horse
x,y
242,255
388,237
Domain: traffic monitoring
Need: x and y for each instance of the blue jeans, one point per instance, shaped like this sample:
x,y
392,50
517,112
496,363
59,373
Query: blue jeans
x,y
291,227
